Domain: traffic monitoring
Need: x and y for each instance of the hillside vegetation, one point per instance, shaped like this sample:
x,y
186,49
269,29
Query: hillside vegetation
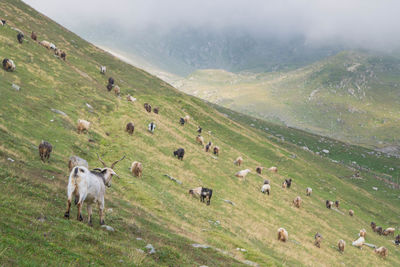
x,y
352,96
153,209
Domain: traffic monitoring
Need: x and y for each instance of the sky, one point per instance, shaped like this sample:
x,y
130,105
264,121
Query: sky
x,y
372,24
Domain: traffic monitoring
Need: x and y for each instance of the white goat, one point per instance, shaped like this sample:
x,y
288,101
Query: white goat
x,y
308,191
359,242
103,69
77,161
242,173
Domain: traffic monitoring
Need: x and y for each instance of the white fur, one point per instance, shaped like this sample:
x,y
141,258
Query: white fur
x,y
242,173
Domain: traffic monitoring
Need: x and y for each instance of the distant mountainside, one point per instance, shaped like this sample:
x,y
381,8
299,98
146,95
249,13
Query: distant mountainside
x,y
352,96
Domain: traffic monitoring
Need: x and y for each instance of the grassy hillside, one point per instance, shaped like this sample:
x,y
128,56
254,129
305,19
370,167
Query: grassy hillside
x,y
352,96
153,209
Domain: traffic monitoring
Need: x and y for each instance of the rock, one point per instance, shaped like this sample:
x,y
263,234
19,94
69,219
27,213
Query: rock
x,y
10,159
150,248
241,249
326,151
59,112
41,218
375,188
229,202
173,179
109,210
108,228
121,261
251,263
139,238
200,246
16,87
89,106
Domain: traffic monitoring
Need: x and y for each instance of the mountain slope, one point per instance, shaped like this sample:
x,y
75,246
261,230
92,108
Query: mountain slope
x,y
153,208
353,96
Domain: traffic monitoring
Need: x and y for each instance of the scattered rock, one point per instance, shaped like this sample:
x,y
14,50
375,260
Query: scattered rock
x,y
241,249
375,188
251,263
59,112
326,151
140,250
139,238
41,218
150,248
108,228
89,106
200,246
16,87
229,202
109,210
121,261
10,159
173,179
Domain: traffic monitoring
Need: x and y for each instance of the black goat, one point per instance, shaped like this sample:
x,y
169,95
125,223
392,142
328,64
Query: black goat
x,y
179,153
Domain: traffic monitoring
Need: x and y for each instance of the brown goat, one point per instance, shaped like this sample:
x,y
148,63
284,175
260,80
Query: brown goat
x,y
45,149
351,213
130,128
318,240
382,251
282,235
137,169
216,150
337,203
34,36
147,107
297,202
341,245
259,169
156,110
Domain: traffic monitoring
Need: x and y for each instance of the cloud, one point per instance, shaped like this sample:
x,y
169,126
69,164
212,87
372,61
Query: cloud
x,y
361,23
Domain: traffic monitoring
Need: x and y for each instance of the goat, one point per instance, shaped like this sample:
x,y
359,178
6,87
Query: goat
x,y
297,202
180,152
216,150
200,140
208,146
329,204
109,87
2,22
259,169
379,230
147,107
199,129
75,161
117,90
90,186
238,161
63,55
389,231
318,240
266,188
204,193
382,251
282,235
130,98
83,126
53,46
308,191
156,110
341,245
242,173
182,121
151,127
351,213
273,169
45,149
20,37
45,44
186,118
284,184
337,203
137,169
130,128
359,242
33,36
8,65
397,240
103,69
288,182
373,226
111,80
363,233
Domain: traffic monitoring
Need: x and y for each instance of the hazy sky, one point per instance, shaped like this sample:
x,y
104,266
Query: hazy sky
x,y
365,23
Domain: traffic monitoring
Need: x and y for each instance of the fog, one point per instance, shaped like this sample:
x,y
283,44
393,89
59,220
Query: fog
x,y
372,24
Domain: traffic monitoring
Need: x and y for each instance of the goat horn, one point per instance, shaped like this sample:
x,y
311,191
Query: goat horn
x,y
101,160
112,165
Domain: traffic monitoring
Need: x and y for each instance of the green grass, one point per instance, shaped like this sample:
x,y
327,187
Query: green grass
x,y
153,207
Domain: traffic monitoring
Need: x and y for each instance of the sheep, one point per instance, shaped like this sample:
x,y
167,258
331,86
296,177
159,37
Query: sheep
x,y
329,204
373,226
180,152
363,233
351,213
8,65
103,69
382,251
389,231
282,235
20,37
397,240
33,36
242,173
147,107
151,127
273,169
75,161
216,150
45,149
186,118
199,129
318,240
297,202
266,188
204,193
182,121
130,128
259,169
130,98
308,191
156,110
341,245
45,44
337,203
379,230
359,242
83,126
238,161
208,146
288,182
117,90
89,186
200,140
137,169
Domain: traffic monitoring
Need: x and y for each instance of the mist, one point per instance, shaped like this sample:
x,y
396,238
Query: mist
x,y
367,24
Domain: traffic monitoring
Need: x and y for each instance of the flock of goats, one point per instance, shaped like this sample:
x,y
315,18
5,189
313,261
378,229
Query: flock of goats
x,y
89,185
